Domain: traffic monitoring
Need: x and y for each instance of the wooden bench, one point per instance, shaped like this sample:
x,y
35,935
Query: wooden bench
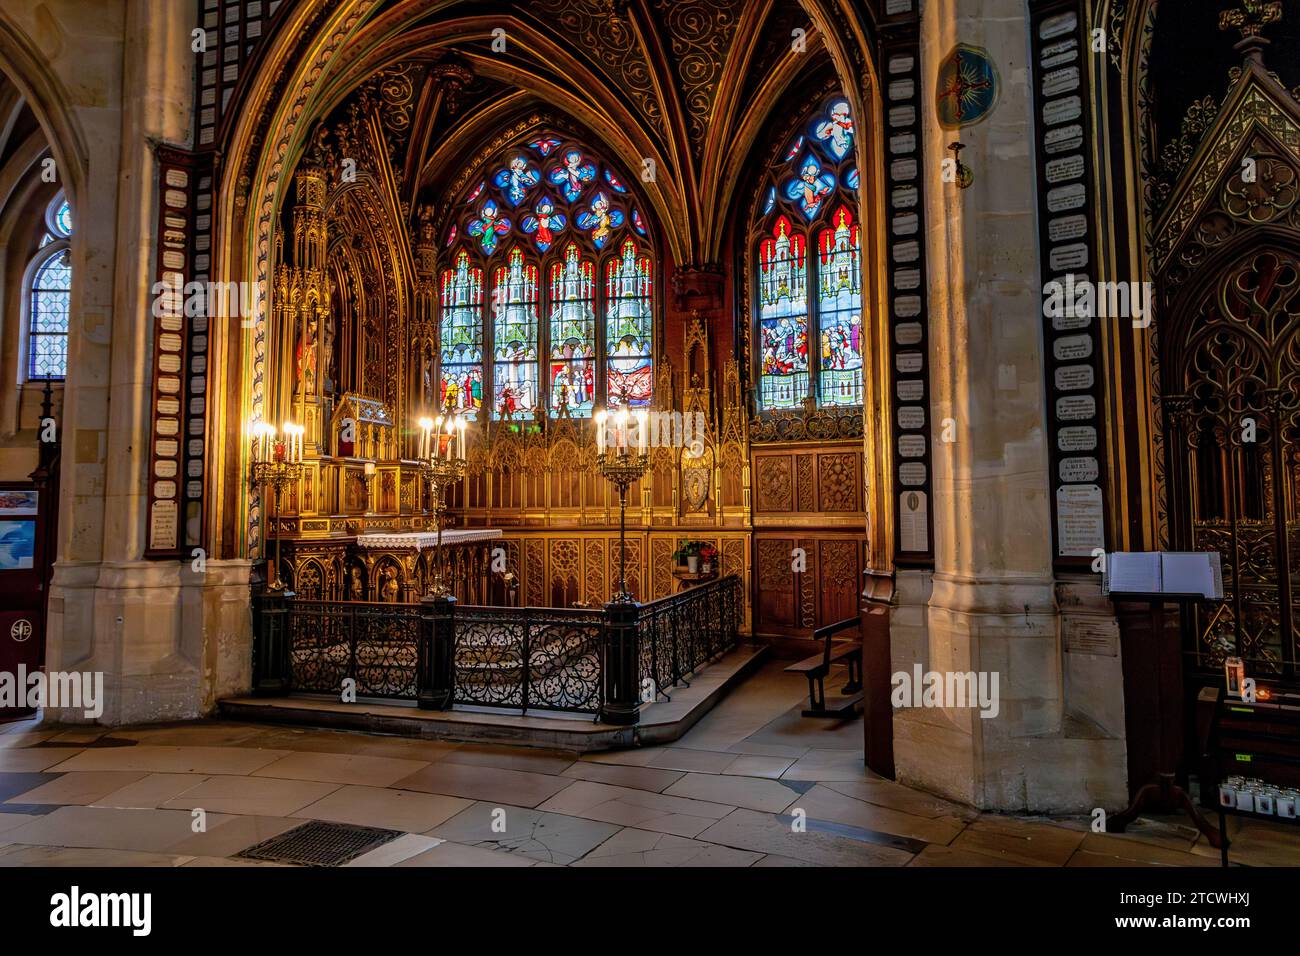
x,y
816,668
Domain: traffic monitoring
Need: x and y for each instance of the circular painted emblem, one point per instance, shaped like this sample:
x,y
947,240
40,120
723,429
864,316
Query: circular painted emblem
x,y
20,630
967,88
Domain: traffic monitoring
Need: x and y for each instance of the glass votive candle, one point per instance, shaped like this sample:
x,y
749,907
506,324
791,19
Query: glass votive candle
x,y
1246,799
1264,802
1227,794
1285,804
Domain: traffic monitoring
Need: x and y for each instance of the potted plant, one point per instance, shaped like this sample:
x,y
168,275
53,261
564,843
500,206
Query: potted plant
x,y
688,554
708,557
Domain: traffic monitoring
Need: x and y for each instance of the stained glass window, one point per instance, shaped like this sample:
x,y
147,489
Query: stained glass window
x,y
461,337
573,333
514,337
809,269
839,310
63,219
783,317
629,323
47,342
548,307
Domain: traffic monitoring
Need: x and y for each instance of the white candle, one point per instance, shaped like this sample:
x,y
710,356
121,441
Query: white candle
x,y
641,436
450,429
620,431
460,444
600,432
426,424
370,468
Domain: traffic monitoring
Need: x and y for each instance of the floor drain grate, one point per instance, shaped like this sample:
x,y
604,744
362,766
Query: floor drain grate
x,y
320,844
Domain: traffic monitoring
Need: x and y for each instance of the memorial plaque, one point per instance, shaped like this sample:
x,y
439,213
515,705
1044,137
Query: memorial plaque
x,y
907,279
162,525
913,521
1058,54
907,333
902,143
909,363
1061,81
1058,25
1065,168
911,446
1063,110
907,224
1077,438
911,474
910,390
911,417
1072,348
1080,526
1075,407
907,306
1073,378
901,64
1074,256
903,197
1078,469
1063,139
1097,636
1064,228
902,169
1065,198
902,115
897,6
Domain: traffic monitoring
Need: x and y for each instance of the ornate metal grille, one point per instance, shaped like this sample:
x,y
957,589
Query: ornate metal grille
x,y
1234,437
529,658
375,644
682,632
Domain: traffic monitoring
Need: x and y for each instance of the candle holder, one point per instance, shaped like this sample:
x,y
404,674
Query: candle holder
x,y
439,474
622,468
276,474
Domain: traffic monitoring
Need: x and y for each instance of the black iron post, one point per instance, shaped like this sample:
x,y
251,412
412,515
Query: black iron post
x,y
621,671
435,667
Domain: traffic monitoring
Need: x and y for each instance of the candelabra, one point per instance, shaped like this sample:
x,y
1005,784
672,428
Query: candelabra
x,y
442,463
623,466
277,463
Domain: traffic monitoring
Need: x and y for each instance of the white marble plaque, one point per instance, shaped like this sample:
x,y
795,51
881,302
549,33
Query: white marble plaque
x,y
1080,525
903,142
897,6
1064,228
1071,378
1067,323
902,90
1063,138
1064,198
1061,81
1072,348
1097,636
910,390
902,116
165,468
902,63
1065,168
1057,54
907,278
1073,256
904,197
162,525
1075,407
909,362
911,417
913,522
1077,438
907,224
907,333
911,446
907,306
1078,469
907,251
1056,26
1063,110
911,474
902,169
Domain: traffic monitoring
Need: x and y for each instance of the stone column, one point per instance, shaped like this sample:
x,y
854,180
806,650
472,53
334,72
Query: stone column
x,y
991,604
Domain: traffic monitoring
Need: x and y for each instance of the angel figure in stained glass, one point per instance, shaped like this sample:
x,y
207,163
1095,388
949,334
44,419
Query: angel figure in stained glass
x,y
836,134
516,180
489,227
811,188
600,220
573,176
545,224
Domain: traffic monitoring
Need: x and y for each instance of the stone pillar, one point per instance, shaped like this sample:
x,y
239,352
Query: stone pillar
x,y
991,604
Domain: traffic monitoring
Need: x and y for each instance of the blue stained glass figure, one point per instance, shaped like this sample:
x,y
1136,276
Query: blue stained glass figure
x,y
836,134
545,224
545,145
574,176
489,227
614,181
519,177
811,188
600,220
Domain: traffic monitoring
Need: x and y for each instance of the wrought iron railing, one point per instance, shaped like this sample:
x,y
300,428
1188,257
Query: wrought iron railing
x,y
604,662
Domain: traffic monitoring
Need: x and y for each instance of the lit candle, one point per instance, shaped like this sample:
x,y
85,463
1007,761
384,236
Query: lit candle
x,y
460,445
426,425
642,437
600,432
451,427
620,430
370,468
